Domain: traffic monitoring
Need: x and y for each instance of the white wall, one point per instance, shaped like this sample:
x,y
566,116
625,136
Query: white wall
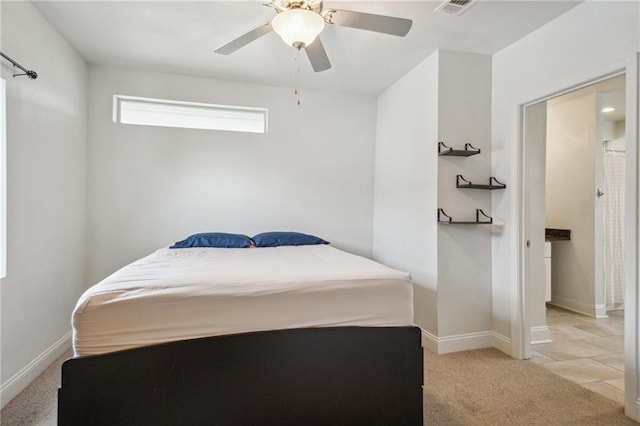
x,y
609,130
446,97
563,53
570,200
151,186
619,128
406,182
464,251
614,133
46,175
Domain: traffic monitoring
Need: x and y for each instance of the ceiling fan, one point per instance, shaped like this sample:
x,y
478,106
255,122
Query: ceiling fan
x,y
299,22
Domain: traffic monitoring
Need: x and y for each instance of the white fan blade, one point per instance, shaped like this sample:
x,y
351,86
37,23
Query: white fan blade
x,y
245,39
367,21
318,56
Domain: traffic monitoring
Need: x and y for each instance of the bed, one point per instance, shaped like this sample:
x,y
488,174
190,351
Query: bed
x,y
286,335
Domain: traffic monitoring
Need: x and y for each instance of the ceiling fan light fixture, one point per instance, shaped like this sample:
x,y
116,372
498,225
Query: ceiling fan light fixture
x,y
298,26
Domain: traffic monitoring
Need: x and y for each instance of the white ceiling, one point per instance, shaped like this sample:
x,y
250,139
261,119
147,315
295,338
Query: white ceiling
x,y
181,36
612,94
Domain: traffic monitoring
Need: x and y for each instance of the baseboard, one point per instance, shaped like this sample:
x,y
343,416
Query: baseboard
x,y
540,334
19,381
574,305
429,341
502,343
458,342
601,311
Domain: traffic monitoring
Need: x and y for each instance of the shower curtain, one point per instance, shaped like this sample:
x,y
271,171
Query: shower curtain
x,y
614,253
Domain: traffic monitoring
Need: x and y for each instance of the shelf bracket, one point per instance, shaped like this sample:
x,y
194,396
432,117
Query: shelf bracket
x,y
480,212
473,148
442,213
442,145
498,183
459,178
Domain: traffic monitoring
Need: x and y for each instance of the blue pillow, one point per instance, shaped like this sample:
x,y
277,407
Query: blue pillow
x,y
214,239
275,239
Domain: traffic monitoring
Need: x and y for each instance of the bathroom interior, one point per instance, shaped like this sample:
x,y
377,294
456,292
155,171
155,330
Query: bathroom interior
x,y
584,195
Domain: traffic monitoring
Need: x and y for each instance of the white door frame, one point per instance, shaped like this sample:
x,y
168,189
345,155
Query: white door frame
x,y
632,262
520,330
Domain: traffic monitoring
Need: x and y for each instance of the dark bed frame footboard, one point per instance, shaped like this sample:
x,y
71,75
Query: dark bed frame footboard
x,y
317,376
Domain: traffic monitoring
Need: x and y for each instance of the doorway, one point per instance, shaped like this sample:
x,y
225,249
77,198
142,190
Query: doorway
x,y
573,219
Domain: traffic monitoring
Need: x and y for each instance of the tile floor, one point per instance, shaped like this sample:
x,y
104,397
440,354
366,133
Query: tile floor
x,y
585,350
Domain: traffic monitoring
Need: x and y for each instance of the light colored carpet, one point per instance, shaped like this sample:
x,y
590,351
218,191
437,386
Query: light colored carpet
x,y
482,387
487,387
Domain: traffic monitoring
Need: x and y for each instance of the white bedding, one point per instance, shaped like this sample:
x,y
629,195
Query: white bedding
x,y
178,294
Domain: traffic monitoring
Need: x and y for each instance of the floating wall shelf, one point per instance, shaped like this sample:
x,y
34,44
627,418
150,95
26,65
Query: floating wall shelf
x,y
468,150
494,183
480,220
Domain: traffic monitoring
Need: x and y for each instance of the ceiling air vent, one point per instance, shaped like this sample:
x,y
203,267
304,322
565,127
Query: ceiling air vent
x,y
455,6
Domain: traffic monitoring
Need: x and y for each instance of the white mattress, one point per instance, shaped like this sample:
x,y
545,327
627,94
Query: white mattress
x,y
178,294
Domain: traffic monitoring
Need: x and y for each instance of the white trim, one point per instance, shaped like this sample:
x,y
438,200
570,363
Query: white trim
x,y
3,179
573,305
429,341
540,334
19,381
502,343
520,339
601,311
465,342
632,262
597,311
458,342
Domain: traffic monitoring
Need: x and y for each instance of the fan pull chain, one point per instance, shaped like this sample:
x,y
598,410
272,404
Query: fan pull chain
x,y
297,90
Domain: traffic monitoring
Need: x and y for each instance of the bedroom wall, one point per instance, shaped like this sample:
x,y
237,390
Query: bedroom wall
x,y
464,251
151,186
546,61
46,195
445,98
406,181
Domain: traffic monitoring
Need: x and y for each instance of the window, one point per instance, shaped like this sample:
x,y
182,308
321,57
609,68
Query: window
x,y
190,115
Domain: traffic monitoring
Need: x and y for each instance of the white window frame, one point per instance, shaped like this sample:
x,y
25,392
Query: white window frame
x,y
229,118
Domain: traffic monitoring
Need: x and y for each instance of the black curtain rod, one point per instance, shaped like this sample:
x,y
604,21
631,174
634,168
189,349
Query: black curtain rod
x,y
29,73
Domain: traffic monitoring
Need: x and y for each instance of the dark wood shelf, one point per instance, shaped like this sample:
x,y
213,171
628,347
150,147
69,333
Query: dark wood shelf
x,y
552,234
481,219
468,150
493,184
